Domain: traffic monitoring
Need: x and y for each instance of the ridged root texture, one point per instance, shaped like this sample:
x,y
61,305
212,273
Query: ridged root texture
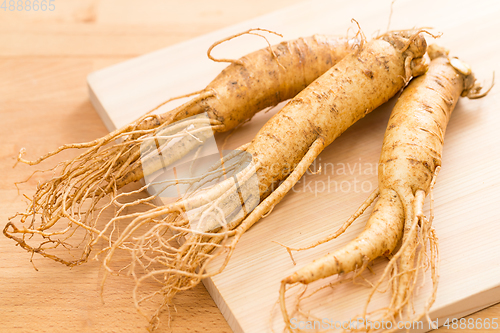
x,y
403,274
175,245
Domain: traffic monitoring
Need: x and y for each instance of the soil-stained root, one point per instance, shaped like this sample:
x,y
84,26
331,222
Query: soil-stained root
x,y
409,163
63,207
209,221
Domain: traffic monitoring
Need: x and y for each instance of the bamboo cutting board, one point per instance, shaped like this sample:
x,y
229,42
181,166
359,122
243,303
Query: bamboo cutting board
x,y
467,191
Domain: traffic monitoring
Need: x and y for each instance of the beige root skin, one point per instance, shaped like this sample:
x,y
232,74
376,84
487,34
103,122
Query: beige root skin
x,y
378,226
409,163
281,152
375,194
196,253
385,224
255,82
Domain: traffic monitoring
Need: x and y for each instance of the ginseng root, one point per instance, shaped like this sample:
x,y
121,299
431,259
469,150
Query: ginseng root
x,y
255,82
410,160
210,221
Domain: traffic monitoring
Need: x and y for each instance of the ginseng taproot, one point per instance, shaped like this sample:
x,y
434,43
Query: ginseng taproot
x,y
409,163
63,207
210,221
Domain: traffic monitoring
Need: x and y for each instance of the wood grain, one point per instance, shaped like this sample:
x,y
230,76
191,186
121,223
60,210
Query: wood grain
x,y
44,61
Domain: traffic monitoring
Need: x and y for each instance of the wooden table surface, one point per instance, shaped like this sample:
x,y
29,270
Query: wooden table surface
x,y
45,58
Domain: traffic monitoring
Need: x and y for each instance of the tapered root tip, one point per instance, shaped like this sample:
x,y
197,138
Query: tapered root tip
x,y
20,157
284,313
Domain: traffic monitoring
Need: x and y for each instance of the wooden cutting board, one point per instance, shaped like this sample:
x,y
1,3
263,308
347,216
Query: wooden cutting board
x,y
467,194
